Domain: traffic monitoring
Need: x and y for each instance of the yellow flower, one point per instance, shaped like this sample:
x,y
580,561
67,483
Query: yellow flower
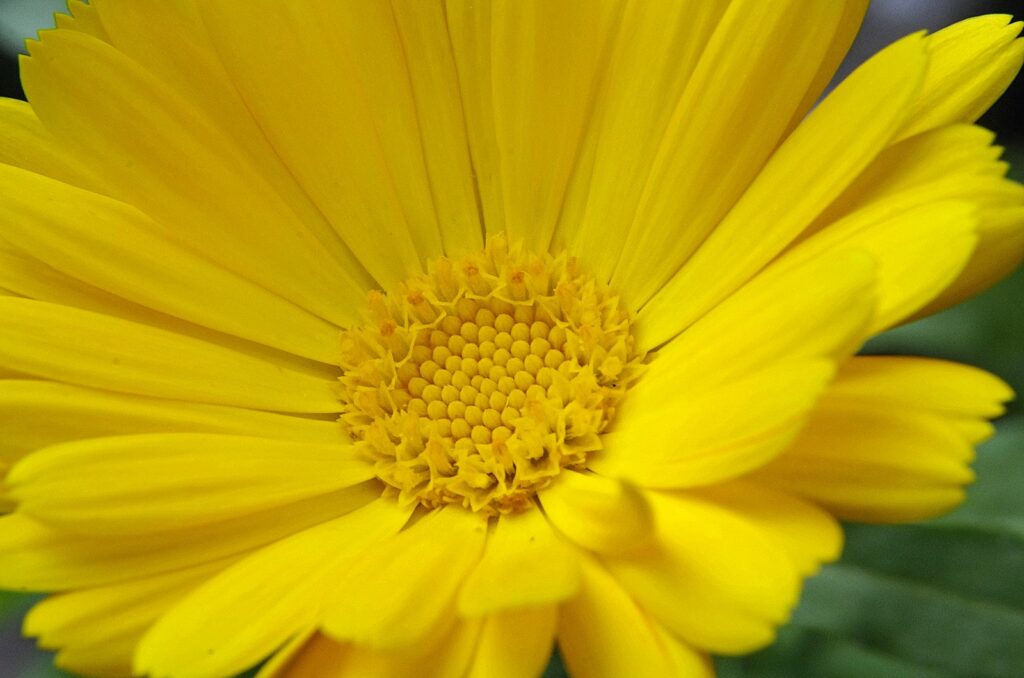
x,y
410,338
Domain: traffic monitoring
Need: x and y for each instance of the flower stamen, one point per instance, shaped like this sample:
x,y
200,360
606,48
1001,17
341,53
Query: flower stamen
x,y
476,383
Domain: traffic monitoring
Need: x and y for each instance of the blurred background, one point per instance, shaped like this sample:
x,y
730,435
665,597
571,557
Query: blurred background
x,y
943,599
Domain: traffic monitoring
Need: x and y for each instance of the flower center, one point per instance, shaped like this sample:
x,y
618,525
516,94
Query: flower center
x,y
477,383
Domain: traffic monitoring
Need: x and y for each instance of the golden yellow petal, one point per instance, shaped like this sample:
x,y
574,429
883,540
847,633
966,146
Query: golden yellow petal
x,y
970,64
807,172
892,439
525,563
922,384
651,60
96,629
868,463
955,163
703,166
395,593
430,60
354,146
151,147
543,63
170,481
604,633
714,579
919,243
25,143
237,618
794,310
721,433
36,557
514,643
35,414
113,246
598,513
89,349
809,534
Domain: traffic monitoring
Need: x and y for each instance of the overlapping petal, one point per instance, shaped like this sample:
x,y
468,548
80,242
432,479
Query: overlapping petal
x,y
95,630
603,633
806,173
243,614
37,557
38,413
155,482
116,248
175,165
428,562
89,349
200,197
892,440
525,564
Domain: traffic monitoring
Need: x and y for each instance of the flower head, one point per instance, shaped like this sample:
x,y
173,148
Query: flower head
x,y
411,338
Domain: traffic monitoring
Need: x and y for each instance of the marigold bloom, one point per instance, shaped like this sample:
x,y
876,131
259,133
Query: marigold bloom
x,y
413,337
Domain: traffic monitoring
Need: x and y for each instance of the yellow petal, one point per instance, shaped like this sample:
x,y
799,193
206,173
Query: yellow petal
x,y
365,169
524,564
240,616
101,617
603,633
446,656
26,144
153,149
35,414
469,30
1000,250
26,276
970,64
168,39
117,248
149,483
846,31
514,643
714,579
812,309
893,438
808,171
945,158
654,52
315,657
439,110
546,59
719,434
921,384
809,534
36,557
956,163
89,349
920,246
600,514
866,462
110,660
703,166
278,662
82,16
394,594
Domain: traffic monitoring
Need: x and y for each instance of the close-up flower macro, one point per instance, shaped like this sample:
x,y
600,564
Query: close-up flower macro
x,y
429,338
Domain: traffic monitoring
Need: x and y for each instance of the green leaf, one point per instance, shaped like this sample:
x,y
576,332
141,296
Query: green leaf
x,y
922,623
799,652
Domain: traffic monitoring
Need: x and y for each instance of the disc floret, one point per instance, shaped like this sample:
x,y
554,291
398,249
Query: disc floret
x,y
476,383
